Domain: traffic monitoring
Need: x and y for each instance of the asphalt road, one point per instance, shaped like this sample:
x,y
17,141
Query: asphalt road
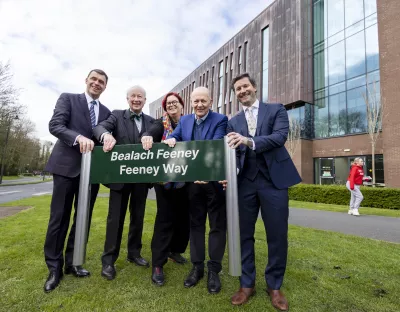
x,y
23,180
15,192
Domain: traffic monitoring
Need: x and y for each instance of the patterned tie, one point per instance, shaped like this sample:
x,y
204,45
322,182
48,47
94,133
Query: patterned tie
x,y
251,121
92,113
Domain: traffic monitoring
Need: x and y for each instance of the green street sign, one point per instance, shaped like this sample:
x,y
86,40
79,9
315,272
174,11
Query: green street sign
x,y
186,162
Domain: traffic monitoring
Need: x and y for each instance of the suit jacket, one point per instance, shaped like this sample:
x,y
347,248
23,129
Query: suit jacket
x,y
124,131
214,127
70,118
271,135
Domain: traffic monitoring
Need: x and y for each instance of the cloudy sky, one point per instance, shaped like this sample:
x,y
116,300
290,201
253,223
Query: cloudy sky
x,y
51,45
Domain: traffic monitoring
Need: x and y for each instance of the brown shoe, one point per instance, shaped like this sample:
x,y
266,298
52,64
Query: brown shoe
x,y
242,296
278,299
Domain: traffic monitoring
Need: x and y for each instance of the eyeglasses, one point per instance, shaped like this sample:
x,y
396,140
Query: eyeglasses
x,y
174,103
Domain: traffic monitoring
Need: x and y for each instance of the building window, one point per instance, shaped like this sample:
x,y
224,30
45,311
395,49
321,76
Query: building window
x,y
346,63
245,56
212,82
303,116
229,86
240,56
200,81
335,170
204,81
220,86
207,82
265,60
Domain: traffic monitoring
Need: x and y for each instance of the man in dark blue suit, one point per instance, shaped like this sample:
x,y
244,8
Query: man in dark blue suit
x,y
205,198
259,133
73,119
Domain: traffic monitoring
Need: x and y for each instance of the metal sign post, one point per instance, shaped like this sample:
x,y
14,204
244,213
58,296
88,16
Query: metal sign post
x,y
82,218
232,212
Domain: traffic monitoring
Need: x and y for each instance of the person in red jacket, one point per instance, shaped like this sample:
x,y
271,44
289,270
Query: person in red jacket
x,y
354,181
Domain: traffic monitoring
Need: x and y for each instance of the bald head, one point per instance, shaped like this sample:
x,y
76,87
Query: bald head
x,y
201,90
200,100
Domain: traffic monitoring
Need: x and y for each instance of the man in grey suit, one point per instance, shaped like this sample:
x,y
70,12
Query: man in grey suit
x,y
74,117
124,127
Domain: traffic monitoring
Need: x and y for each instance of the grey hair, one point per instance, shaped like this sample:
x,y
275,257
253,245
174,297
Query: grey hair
x,y
137,87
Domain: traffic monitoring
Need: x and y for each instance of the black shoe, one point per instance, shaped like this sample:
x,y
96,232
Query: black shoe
x,y
52,281
213,283
139,261
177,258
77,271
108,272
194,277
158,276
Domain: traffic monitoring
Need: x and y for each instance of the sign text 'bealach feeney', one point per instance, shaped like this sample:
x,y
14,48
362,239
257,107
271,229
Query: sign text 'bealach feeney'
x,y
187,161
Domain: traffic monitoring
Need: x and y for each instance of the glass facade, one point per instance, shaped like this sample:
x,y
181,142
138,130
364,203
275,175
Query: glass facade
x,y
303,116
346,63
265,61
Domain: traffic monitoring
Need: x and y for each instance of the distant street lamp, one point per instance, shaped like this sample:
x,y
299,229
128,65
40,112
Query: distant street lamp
x,y
5,148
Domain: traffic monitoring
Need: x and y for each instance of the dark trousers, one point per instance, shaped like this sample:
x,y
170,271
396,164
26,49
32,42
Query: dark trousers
x,y
171,228
65,193
207,199
275,212
118,204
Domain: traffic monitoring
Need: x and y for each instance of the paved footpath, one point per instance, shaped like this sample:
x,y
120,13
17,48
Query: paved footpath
x,y
376,227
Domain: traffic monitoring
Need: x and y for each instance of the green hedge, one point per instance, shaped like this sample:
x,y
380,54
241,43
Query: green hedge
x,y
377,197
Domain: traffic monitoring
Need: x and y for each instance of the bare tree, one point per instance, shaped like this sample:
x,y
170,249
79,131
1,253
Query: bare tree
x,y
375,112
8,93
293,136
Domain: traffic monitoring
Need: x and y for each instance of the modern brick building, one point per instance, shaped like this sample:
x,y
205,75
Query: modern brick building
x,y
319,58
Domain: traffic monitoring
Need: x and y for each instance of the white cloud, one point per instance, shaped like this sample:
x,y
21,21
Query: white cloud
x,y
53,44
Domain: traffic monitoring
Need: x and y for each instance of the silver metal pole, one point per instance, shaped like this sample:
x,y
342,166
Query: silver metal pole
x,y
82,218
232,211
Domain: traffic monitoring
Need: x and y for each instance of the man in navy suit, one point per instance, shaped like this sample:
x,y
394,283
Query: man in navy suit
x,y
259,133
205,198
73,119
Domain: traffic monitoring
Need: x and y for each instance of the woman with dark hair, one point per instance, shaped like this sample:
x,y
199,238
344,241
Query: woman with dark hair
x,y
171,228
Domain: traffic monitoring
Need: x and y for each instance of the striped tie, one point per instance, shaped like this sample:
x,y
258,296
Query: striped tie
x,y
92,113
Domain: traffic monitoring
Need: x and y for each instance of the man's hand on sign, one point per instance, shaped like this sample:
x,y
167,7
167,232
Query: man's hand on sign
x,y
200,182
224,184
85,145
109,142
147,142
170,142
235,139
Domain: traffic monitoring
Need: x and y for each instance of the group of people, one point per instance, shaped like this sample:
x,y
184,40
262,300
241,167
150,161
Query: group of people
x,y
265,172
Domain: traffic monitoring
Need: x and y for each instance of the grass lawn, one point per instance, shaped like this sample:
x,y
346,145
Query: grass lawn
x,y
340,208
11,177
367,280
